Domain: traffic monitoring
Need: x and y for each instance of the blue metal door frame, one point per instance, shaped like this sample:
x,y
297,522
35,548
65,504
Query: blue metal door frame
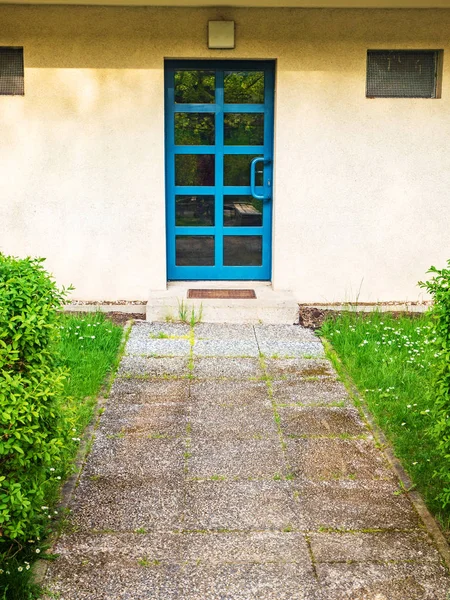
x,y
219,271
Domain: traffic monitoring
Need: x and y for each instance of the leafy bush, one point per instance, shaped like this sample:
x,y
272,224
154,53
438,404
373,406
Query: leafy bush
x,y
439,288
34,423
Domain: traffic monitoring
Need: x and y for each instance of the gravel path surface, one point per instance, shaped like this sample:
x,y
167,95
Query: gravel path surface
x,y
230,464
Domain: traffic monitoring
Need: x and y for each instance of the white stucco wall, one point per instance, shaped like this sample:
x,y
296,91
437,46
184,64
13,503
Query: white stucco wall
x,y
361,187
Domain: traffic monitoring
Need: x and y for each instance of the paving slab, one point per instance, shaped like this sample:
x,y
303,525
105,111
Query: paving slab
x,y
145,419
382,546
138,366
224,331
227,368
157,330
160,545
143,391
355,505
297,368
241,506
246,547
303,392
331,459
136,456
231,394
246,582
113,578
166,339
236,458
240,422
290,348
265,333
157,347
241,348
321,421
373,581
126,504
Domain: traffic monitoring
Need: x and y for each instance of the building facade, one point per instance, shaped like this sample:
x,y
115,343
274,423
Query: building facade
x,y
129,160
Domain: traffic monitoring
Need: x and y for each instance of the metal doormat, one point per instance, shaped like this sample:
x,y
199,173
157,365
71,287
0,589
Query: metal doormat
x,y
222,294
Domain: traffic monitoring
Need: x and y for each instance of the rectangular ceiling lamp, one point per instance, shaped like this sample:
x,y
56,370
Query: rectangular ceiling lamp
x,y
221,35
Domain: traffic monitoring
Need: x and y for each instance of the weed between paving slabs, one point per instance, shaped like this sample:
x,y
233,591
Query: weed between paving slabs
x,y
231,464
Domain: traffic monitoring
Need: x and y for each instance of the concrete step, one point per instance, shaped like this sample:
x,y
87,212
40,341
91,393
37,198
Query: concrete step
x,y
269,307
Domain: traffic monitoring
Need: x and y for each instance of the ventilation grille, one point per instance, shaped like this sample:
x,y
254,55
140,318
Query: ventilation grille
x,y
401,74
11,72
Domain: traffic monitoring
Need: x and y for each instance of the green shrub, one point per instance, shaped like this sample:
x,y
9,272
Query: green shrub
x,y
439,288
34,423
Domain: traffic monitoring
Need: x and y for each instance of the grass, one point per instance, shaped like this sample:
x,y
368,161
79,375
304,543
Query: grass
x,y
391,362
89,347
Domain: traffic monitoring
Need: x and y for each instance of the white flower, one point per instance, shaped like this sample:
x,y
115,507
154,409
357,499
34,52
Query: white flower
x,y
403,424
20,569
415,463
52,469
44,507
37,551
408,406
93,337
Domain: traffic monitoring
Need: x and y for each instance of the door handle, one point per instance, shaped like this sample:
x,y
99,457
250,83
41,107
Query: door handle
x,y
253,164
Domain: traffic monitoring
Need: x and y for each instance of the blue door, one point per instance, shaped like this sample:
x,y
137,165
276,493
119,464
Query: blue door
x,y
219,151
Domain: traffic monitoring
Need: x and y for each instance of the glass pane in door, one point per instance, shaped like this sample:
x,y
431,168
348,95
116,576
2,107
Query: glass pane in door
x,y
195,87
194,211
244,87
194,129
194,169
244,129
242,211
194,250
242,250
236,169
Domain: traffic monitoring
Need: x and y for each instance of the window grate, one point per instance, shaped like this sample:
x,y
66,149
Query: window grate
x,y
11,72
402,73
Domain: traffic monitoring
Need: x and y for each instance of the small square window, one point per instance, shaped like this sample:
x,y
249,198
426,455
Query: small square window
x,y
11,71
403,73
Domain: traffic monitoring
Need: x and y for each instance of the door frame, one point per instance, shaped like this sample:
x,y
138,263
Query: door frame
x,y
223,273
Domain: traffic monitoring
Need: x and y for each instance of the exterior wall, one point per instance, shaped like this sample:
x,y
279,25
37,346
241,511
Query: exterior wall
x,y
361,187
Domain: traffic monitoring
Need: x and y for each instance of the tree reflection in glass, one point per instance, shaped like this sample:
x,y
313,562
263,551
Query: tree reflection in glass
x,y
195,87
194,129
243,129
244,87
194,169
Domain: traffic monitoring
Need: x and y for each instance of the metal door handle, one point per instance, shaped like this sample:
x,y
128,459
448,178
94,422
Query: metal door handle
x,y
253,164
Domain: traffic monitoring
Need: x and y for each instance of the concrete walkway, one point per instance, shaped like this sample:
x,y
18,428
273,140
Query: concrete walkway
x,y
230,464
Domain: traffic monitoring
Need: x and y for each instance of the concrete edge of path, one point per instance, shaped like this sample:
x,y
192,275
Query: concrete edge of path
x,y
98,307
417,501
40,567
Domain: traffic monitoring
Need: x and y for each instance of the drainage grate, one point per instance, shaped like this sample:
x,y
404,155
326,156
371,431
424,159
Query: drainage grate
x,y
222,294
